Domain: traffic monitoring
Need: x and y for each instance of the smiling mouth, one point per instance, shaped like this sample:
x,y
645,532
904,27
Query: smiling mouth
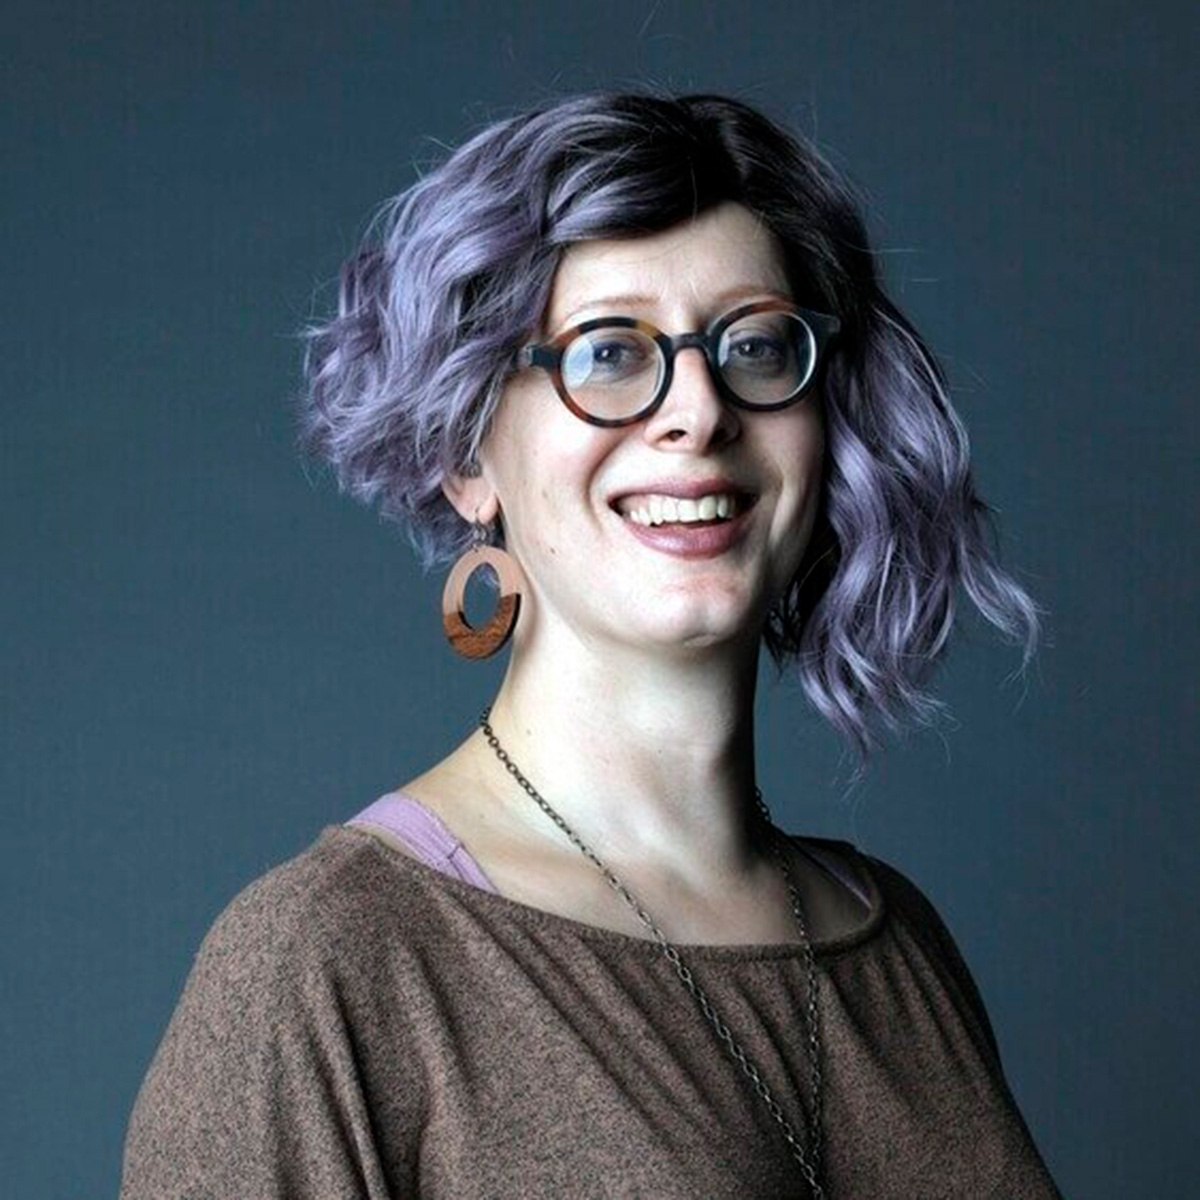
x,y
651,509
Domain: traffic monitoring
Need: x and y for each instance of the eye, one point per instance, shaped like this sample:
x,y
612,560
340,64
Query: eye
x,y
765,346
606,356
757,352
615,354
756,347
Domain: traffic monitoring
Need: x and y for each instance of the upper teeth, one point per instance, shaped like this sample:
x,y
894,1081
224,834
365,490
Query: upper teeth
x,y
654,510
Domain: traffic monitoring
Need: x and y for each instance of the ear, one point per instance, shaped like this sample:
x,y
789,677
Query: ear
x,y
473,496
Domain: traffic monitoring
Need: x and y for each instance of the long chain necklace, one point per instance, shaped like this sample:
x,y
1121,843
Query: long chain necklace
x,y
810,1162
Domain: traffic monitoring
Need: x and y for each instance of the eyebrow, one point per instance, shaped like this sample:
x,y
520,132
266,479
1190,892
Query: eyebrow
x,y
628,299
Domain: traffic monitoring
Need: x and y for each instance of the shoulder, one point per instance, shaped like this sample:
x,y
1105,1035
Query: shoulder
x,y
284,973
294,910
262,1052
883,882
915,922
321,911
908,903
312,939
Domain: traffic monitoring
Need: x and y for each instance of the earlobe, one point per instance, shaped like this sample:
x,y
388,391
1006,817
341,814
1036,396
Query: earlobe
x,y
473,497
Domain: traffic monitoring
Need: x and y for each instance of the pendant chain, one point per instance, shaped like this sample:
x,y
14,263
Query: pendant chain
x,y
809,1163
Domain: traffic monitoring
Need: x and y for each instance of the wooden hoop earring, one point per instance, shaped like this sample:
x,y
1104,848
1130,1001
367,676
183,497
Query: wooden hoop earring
x,y
493,633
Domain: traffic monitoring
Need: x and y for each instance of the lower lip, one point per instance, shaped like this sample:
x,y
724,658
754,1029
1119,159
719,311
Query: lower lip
x,y
690,541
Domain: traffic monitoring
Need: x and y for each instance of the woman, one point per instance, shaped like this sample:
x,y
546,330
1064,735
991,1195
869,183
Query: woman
x,y
632,353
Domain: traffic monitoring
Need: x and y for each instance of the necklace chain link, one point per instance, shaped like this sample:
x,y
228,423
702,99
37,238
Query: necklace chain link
x,y
809,1163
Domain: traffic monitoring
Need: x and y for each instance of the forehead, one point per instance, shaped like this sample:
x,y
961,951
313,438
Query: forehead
x,y
723,254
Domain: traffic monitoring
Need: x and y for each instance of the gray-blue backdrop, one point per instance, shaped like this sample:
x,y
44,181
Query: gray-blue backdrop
x,y
208,655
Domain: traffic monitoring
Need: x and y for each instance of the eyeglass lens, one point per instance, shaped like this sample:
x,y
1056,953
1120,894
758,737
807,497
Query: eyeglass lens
x,y
764,358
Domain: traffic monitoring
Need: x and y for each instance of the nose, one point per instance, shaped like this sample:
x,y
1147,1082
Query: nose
x,y
692,416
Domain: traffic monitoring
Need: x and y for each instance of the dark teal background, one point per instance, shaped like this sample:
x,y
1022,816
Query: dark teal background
x,y
208,655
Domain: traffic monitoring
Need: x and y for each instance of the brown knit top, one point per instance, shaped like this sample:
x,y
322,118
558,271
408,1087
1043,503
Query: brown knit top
x,y
360,1024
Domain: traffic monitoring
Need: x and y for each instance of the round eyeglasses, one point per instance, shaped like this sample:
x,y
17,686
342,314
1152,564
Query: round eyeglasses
x,y
613,371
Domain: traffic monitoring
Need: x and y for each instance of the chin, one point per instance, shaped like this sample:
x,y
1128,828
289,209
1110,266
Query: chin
x,y
706,634
690,618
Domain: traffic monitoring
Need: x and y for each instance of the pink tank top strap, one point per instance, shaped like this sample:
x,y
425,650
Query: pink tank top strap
x,y
832,865
423,832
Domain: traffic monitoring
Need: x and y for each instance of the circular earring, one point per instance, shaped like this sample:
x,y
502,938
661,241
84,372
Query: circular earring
x,y
484,641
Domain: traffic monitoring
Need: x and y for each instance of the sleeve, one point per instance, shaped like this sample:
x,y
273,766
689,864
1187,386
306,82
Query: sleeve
x,y
253,1092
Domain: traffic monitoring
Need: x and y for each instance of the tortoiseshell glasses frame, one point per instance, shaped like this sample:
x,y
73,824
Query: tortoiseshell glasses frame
x,y
816,328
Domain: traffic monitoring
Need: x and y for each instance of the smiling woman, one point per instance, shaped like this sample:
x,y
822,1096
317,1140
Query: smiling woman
x,y
630,352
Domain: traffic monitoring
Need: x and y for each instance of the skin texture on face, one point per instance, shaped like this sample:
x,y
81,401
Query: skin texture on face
x,y
555,480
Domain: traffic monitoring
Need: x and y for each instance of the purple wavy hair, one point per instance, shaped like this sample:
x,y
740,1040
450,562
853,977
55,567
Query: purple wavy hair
x,y
455,273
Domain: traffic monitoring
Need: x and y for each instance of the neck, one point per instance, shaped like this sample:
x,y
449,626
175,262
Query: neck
x,y
650,761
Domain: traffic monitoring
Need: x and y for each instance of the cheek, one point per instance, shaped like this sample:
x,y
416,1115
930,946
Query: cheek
x,y
805,484
543,532
804,465
548,489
